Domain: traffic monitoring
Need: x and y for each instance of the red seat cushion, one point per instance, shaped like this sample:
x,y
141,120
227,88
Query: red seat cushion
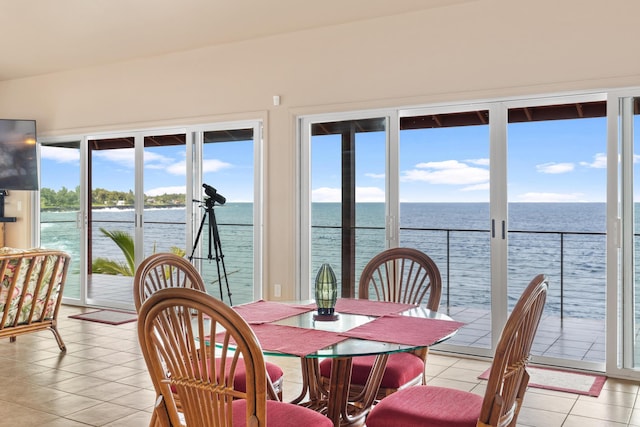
x,y
401,368
431,406
240,379
280,414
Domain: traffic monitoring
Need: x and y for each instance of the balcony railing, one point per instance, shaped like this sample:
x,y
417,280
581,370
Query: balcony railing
x,y
573,261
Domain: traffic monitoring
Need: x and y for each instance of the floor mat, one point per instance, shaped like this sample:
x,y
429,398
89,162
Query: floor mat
x,y
109,317
559,380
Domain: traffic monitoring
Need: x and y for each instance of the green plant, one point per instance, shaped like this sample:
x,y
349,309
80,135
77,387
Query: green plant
x,y
125,242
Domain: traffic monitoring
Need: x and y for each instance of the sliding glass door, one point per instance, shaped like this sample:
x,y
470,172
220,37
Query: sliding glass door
x,y
61,213
445,209
113,199
111,220
557,220
494,192
228,211
346,205
165,190
624,307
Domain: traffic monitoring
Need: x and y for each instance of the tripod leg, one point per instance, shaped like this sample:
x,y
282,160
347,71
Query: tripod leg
x,y
213,231
213,227
195,243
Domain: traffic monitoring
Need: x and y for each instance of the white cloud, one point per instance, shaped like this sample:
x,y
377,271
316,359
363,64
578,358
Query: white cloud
x,y
178,189
334,195
446,164
375,175
59,155
478,187
178,168
326,194
599,161
208,166
123,157
550,197
450,172
153,160
214,165
479,162
555,168
369,194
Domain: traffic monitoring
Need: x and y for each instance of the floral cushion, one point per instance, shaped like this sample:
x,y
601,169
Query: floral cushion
x,y
17,266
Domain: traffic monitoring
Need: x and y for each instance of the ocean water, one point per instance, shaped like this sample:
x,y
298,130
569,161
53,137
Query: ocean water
x,y
566,241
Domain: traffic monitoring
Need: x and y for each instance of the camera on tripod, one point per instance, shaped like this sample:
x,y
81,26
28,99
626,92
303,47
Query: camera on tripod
x,y
209,218
213,194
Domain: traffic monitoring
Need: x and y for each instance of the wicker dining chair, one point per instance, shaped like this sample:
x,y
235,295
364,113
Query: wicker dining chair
x,y
403,275
506,386
167,270
173,326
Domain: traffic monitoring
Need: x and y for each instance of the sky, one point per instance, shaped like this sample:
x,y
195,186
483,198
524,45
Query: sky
x,y
228,167
551,161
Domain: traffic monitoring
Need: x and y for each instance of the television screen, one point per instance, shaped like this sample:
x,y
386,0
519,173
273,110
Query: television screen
x,y
18,159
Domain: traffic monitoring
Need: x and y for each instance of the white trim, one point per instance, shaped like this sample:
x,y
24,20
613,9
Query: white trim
x,y
258,209
498,207
392,180
303,292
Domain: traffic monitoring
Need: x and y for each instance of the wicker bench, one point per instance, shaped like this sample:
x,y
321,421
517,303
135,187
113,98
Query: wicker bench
x,y
31,284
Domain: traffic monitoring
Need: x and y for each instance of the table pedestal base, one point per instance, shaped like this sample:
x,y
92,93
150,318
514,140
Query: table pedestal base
x,y
336,402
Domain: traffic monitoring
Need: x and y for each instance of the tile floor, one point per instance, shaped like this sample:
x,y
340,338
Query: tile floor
x,y
102,381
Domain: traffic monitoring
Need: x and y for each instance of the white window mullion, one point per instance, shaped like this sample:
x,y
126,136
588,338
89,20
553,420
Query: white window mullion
x,y
499,214
392,178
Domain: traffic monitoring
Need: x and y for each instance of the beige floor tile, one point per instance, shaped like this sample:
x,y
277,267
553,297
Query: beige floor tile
x,y
635,417
616,384
611,397
64,422
578,421
134,420
140,399
12,414
65,405
532,417
549,403
101,414
102,380
601,411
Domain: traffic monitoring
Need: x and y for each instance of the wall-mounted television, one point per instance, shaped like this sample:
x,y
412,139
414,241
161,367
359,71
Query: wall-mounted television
x,y
18,158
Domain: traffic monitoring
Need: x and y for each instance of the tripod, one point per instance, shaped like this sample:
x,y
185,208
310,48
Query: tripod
x,y
214,241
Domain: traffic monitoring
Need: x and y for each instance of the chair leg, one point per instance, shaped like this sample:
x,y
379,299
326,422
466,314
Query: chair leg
x,y
154,422
274,392
56,334
160,417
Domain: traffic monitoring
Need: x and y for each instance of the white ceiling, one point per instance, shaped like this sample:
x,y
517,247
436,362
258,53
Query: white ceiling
x,y
45,36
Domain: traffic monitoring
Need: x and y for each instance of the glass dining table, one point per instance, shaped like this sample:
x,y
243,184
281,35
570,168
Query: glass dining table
x,y
362,328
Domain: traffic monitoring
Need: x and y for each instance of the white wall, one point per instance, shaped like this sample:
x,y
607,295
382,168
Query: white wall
x,y
482,49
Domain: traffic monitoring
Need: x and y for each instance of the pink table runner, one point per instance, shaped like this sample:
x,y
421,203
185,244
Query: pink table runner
x,y
413,331
269,311
292,340
370,308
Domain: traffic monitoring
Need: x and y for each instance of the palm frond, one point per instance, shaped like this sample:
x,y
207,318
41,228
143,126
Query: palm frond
x,y
177,251
107,266
125,242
